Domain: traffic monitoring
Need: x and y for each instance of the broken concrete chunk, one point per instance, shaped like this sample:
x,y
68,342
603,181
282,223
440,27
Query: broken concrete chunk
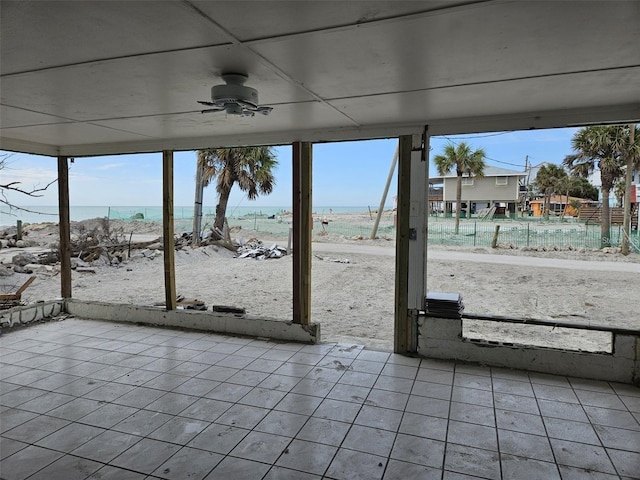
x,y
38,268
257,250
23,259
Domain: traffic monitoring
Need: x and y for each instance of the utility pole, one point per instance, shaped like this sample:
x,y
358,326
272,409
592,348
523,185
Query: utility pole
x,y
392,169
527,195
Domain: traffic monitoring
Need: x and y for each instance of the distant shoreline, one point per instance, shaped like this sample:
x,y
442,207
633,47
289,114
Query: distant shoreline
x,y
49,213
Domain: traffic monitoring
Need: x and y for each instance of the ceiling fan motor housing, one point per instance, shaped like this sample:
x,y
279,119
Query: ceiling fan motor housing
x,y
234,91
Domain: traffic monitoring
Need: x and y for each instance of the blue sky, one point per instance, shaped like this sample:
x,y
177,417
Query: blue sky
x,y
344,173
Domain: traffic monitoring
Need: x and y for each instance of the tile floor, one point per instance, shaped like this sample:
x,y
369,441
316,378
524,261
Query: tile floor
x,y
97,400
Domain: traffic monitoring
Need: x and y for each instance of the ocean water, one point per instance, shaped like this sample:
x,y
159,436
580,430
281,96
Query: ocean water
x,y
49,213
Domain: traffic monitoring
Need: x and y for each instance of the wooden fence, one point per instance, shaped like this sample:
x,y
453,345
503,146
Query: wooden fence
x,y
594,214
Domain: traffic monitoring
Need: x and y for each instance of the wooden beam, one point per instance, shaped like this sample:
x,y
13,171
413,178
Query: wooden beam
x,y
402,246
167,230
64,227
302,228
19,292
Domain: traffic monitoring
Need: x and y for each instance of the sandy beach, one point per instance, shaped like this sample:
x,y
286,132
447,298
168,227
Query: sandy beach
x,y
353,284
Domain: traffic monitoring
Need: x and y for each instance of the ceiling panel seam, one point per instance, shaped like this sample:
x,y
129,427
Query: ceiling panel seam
x,y
38,112
374,22
270,65
487,82
110,59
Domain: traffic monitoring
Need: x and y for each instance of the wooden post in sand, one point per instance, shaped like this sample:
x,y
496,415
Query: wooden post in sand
x,y
64,226
302,162
167,230
494,242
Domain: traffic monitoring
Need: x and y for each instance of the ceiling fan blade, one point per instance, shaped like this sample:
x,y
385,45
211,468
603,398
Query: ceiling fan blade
x,y
246,105
264,110
210,110
209,104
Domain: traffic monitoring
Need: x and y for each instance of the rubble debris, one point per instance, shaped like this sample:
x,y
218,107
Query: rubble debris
x,y
186,304
8,300
334,260
258,250
85,270
208,238
23,259
6,270
227,309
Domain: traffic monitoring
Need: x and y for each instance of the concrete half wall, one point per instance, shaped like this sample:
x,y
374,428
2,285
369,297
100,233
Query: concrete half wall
x,y
230,323
191,319
17,316
442,338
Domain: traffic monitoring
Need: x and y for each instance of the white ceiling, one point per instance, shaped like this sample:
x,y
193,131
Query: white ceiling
x,y
98,77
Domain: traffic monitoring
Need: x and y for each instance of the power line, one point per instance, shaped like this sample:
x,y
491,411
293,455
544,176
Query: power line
x,y
488,158
506,163
472,137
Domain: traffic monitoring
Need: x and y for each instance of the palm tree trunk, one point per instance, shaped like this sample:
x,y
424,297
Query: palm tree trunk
x,y
458,203
547,205
564,210
221,209
627,192
605,220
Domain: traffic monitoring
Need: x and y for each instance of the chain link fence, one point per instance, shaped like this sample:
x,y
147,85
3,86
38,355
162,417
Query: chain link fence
x,y
529,234
518,233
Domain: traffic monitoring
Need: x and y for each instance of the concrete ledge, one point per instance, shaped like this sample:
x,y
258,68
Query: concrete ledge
x,y
215,322
442,338
30,313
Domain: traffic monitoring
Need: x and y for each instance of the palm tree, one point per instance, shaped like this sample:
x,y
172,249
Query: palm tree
x,y
548,181
583,189
463,161
619,190
632,162
249,167
567,185
600,148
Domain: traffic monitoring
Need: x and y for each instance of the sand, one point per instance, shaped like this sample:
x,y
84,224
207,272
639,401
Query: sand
x,y
353,285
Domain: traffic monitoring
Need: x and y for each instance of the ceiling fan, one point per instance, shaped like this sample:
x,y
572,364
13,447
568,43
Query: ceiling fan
x,y
235,98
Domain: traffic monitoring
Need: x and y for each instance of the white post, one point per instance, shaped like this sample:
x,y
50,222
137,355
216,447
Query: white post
x,y
392,169
418,218
197,207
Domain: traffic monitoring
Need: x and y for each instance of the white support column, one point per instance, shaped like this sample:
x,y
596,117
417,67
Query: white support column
x,y
411,240
418,219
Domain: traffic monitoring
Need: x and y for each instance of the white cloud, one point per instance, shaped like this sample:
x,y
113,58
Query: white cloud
x,y
28,176
110,166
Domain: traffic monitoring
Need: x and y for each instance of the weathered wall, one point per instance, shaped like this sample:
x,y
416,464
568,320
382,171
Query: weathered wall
x,y
442,338
214,322
31,313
